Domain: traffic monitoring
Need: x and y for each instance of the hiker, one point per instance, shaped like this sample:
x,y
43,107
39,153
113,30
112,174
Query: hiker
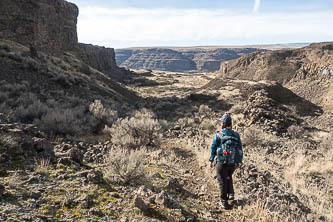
x,y
227,147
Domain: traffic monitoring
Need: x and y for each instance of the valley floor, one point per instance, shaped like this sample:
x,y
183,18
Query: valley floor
x,y
286,176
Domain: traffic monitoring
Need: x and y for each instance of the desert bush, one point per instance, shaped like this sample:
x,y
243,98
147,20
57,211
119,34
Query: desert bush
x,y
128,165
237,108
296,131
28,114
253,137
140,130
204,109
107,116
208,124
67,122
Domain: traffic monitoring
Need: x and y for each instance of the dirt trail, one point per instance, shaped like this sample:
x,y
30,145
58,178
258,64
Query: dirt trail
x,y
197,179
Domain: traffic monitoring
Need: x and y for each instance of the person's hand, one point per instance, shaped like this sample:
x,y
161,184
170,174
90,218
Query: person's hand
x,y
211,164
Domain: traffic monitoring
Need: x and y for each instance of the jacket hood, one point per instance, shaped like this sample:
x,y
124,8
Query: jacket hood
x,y
228,132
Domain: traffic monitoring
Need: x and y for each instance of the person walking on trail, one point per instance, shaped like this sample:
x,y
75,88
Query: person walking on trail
x,y
227,147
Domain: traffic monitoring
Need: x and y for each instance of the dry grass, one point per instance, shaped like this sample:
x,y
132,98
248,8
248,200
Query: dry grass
x,y
260,212
302,167
43,166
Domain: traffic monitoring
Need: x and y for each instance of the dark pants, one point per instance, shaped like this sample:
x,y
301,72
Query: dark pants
x,y
224,176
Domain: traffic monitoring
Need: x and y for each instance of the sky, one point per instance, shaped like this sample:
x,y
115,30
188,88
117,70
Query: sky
x,y
140,23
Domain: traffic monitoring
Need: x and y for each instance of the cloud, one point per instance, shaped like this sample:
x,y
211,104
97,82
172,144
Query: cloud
x,y
184,27
256,6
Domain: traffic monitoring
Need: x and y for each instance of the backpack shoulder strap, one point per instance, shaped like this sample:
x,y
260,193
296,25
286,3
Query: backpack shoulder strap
x,y
219,134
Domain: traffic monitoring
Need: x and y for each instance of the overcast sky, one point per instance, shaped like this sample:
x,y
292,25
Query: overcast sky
x,y
131,23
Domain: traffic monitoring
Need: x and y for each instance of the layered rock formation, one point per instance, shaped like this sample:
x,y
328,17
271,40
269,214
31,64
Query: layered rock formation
x,y
179,59
49,25
307,71
102,59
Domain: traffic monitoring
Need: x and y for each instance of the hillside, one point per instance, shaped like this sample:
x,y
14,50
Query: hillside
x,y
307,71
206,59
40,88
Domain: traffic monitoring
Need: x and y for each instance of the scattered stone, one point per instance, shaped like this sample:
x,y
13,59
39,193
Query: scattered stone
x,y
95,177
76,155
173,183
139,203
164,200
2,190
85,201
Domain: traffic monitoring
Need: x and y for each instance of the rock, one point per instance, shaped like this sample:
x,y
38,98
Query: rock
x,y
173,183
95,212
156,176
85,201
48,24
2,189
75,155
65,161
102,59
164,200
139,203
95,177
178,59
144,191
35,194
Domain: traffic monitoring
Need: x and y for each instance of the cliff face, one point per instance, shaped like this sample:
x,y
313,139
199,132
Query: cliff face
x,y
307,71
49,25
178,59
155,58
102,59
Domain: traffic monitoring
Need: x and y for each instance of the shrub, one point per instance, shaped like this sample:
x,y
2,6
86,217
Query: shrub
x,y
99,112
296,131
138,131
28,114
208,124
253,137
71,122
204,109
237,108
126,164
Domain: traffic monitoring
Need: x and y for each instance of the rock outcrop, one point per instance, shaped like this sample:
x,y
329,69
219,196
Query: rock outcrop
x,y
307,71
102,59
179,59
48,25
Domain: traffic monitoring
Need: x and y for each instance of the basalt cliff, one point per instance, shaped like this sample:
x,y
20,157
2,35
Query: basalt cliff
x,y
49,26
202,59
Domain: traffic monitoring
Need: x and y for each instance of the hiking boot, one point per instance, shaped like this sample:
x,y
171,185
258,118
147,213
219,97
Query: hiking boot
x,y
225,205
231,196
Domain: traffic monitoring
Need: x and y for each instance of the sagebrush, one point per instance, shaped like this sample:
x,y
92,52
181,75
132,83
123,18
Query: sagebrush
x,y
128,165
140,130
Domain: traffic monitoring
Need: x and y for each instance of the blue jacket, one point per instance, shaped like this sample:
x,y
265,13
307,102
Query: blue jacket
x,y
217,142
